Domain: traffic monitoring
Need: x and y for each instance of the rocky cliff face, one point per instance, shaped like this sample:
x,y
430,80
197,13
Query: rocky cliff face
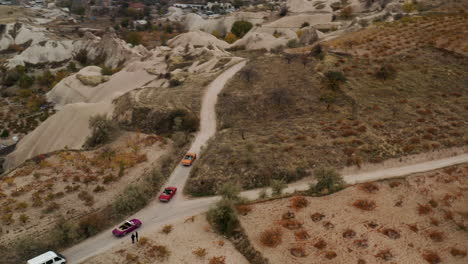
x,y
42,48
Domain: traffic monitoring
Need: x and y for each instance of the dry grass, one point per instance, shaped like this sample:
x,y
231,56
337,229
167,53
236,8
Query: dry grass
x,y
443,31
431,257
320,244
199,252
299,202
298,252
366,205
291,224
271,237
244,209
299,132
167,229
217,260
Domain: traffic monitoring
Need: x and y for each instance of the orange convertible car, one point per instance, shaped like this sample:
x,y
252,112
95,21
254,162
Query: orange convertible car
x,y
189,159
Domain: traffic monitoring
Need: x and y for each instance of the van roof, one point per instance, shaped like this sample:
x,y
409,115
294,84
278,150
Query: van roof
x,y
43,258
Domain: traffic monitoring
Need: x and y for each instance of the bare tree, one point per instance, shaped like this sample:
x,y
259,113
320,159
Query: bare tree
x,y
248,74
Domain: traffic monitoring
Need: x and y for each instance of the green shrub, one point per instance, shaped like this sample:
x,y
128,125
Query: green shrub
x,y
328,180
133,197
5,134
283,11
102,130
91,224
133,38
230,191
277,187
25,81
72,67
82,57
46,79
386,72
292,43
334,79
223,217
174,82
11,77
125,22
106,70
240,28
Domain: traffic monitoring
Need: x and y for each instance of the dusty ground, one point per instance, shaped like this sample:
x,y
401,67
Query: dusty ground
x,y
415,220
72,184
9,14
186,237
385,39
281,127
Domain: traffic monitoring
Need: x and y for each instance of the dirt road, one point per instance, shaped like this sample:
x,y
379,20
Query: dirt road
x,y
157,214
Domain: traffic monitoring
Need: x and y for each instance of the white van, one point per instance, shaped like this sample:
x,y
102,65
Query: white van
x,y
49,257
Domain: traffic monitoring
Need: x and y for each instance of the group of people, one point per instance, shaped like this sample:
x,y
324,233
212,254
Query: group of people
x,y
134,236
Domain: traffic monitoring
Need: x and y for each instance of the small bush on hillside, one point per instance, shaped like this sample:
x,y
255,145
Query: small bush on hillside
x,y
199,252
299,202
305,24
292,43
174,82
369,187
424,209
277,187
243,209
25,81
328,180
240,28
333,79
271,237
72,67
321,244
230,38
223,217
230,191
82,57
386,72
106,70
46,79
347,12
133,38
167,229
132,198
102,130
218,260
283,11
431,257
365,205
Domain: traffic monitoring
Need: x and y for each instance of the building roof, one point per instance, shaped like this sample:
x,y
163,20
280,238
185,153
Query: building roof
x,y
136,5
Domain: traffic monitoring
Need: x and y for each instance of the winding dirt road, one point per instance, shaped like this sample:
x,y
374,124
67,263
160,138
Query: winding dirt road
x,y
157,214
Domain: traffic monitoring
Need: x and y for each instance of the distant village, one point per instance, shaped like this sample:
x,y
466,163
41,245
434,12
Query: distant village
x,y
98,7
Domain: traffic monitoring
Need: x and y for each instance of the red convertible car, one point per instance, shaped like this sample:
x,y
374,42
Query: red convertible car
x,y
126,227
167,194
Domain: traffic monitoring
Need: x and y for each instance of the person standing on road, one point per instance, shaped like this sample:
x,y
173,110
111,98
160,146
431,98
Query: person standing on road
x,y
133,238
136,235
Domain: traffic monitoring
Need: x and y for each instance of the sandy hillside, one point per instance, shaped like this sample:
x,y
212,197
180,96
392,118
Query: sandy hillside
x,y
72,184
186,237
419,219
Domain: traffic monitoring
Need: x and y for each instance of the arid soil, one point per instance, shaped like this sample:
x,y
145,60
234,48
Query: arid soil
x,y
280,128
419,219
72,184
186,239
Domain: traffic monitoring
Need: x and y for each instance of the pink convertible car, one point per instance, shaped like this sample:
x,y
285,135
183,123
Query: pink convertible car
x,y
126,227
